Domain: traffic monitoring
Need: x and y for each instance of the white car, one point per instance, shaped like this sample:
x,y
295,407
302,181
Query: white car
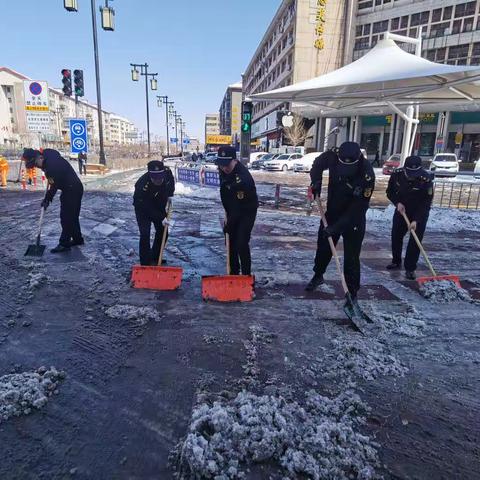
x,y
256,156
283,162
305,163
445,164
477,169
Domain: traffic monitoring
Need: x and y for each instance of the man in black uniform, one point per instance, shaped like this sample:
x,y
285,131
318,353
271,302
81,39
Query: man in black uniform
x,y
153,190
410,189
240,201
350,186
60,176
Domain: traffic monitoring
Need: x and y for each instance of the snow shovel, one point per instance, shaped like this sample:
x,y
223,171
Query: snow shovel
x,y
158,277
351,308
228,288
36,250
421,280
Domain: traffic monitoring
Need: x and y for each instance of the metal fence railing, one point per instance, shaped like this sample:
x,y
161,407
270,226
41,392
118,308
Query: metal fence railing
x,y
460,195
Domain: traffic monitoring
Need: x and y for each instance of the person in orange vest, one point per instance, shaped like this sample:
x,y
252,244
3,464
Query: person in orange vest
x,y
31,174
3,171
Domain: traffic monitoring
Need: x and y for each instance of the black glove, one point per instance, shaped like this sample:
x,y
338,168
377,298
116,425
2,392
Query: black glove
x,y
328,232
46,202
317,188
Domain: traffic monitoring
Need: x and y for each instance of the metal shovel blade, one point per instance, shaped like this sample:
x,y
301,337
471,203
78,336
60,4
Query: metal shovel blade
x,y
35,250
156,278
228,288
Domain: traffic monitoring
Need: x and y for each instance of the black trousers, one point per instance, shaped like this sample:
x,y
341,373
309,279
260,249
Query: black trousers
x,y
149,255
82,167
352,246
240,230
70,205
399,230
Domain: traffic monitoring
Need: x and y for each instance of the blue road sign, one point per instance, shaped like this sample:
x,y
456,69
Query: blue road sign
x,y
186,141
173,140
78,135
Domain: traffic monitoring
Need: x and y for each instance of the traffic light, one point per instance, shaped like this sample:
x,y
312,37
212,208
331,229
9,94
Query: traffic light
x,y
67,82
78,83
247,111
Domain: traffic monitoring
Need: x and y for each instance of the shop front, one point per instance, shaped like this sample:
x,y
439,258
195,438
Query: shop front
x,y
464,136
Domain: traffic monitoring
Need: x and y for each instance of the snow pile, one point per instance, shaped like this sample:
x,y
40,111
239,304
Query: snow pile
x,y
36,280
258,336
444,291
317,439
196,191
451,220
140,315
355,357
22,392
407,323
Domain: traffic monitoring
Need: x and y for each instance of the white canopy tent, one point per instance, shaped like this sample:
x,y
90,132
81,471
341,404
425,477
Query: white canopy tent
x,y
387,76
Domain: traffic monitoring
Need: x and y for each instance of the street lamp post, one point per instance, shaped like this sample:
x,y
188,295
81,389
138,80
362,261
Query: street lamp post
x,y
182,128
163,99
177,119
153,86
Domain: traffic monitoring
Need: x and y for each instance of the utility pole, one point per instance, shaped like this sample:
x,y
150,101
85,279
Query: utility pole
x,y
168,106
153,84
177,118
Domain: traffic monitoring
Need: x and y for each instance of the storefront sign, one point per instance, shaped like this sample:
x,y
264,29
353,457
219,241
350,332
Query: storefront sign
x,y
320,18
458,138
219,140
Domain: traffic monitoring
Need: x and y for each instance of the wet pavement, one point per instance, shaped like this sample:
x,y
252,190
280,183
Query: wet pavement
x,y
131,386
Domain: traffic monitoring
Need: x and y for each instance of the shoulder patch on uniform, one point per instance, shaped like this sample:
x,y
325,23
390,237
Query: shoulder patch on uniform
x,y
367,193
238,179
240,195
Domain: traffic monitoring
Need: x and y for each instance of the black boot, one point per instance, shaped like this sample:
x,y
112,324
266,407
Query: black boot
x,y
77,242
316,280
410,274
393,266
60,249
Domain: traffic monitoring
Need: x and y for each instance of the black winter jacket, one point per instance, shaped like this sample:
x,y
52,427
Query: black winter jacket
x,y
151,198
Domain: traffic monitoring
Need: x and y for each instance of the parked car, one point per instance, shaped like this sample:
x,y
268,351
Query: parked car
x,y
210,157
260,162
445,164
305,163
283,162
391,164
477,169
256,156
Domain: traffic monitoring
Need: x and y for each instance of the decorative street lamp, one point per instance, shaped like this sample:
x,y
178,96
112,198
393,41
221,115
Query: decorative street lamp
x,y
153,85
107,24
70,5
168,108
108,17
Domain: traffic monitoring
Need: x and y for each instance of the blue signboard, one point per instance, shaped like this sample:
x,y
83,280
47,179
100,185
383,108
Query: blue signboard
x,y
173,140
78,135
186,141
212,179
188,175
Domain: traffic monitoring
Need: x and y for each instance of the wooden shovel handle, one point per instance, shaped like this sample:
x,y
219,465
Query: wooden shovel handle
x,y
332,248
419,243
165,231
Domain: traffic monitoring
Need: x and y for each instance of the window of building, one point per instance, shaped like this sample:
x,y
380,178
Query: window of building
x,y
437,15
470,8
457,26
458,52
468,25
395,23
379,27
447,13
404,22
441,52
367,4
413,32
475,60
378,2
431,55
367,28
359,30
465,9
415,19
439,29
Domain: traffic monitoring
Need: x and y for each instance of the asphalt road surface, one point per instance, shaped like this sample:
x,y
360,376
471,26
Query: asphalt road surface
x,y
131,384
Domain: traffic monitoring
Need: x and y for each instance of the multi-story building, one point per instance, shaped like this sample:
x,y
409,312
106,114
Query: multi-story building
x,y
14,133
212,124
451,34
230,111
305,39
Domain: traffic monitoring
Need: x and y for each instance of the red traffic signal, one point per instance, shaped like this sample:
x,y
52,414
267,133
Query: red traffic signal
x,y
67,82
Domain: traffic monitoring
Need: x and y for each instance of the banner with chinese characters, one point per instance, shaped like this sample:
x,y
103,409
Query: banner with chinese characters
x,y
37,108
218,140
320,19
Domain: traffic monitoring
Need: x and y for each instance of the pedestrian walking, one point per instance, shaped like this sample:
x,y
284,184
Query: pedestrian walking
x,y
240,202
4,167
376,160
82,163
411,190
194,157
153,190
350,187
60,176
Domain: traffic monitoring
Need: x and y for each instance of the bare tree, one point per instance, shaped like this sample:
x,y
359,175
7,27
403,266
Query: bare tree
x,y
297,133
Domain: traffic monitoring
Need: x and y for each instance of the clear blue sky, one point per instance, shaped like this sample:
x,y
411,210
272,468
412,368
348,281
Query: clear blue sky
x,y
197,47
